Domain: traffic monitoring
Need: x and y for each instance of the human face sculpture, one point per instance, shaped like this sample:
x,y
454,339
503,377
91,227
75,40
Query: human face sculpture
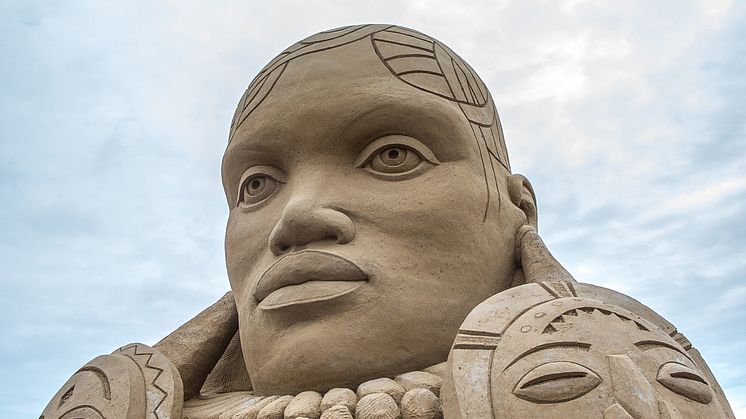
x,y
578,357
368,208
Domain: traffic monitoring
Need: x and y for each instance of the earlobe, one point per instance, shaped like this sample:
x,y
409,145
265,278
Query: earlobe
x,y
522,196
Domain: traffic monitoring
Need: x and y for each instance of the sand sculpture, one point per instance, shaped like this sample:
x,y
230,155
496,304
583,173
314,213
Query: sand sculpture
x,y
384,262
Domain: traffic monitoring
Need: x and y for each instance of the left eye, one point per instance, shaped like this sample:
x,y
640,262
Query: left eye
x,y
395,159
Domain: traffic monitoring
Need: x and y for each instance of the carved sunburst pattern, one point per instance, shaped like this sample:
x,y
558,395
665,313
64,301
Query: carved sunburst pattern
x,y
592,314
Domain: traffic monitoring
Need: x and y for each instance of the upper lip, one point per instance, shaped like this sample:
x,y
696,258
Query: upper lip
x,y
304,266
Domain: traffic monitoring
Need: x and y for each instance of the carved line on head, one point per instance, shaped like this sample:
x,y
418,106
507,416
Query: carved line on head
x,y
307,46
494,175
101,375
84,410
484,171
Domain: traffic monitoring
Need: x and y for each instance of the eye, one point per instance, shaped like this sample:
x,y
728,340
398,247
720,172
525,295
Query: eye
x,y
556,382
258,184
684,381
396,157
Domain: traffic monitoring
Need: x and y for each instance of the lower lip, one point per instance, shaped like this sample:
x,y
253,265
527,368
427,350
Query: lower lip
x,y
307,293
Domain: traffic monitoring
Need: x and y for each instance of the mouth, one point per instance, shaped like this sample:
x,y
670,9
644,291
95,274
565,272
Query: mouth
x,y
305,277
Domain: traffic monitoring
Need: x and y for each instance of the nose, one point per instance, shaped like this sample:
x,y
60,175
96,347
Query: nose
x,y
635,396
302,222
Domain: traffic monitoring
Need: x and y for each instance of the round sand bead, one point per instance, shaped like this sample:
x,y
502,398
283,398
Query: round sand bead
x,y
421,403
276,409
377,406
336,412
339,396
420,379
381,385
305,405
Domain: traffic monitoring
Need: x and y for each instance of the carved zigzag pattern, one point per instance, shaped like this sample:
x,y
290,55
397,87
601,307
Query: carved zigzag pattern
x,y
147,356
572,315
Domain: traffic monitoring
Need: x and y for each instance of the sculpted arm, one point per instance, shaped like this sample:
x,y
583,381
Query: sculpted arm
x,y
138,381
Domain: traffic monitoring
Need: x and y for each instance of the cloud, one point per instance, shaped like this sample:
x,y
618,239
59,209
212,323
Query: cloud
x,y
628,118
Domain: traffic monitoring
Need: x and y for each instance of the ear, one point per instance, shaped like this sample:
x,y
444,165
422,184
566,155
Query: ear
x,y
522,196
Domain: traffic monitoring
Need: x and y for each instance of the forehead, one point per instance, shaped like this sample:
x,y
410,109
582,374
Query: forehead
x,y
356,54
586,323
335,87
410,55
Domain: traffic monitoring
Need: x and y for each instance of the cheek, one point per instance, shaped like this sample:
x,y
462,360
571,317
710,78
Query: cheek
x,y
443,204
429,231
245,243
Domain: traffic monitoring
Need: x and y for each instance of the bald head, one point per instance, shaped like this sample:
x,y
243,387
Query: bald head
x,y
364,173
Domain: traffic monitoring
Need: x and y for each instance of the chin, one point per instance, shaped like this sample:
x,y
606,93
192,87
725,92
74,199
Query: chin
x,y
319,356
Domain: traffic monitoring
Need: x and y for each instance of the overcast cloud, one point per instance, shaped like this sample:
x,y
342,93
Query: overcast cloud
x,y
628,117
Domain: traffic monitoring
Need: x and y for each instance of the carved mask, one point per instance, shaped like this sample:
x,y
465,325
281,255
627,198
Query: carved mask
x,y
576,354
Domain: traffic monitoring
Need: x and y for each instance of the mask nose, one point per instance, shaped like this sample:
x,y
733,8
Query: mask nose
x,y
634,395
302,223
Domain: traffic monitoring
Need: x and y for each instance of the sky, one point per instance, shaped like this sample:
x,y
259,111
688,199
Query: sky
x,y
627,117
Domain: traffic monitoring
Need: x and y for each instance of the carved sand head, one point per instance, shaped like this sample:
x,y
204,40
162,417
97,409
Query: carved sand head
x,y
366,175
577,354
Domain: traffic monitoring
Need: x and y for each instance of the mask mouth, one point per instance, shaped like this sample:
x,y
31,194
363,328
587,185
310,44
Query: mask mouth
x,y
307,276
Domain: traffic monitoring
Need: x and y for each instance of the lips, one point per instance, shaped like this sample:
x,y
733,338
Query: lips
x,y
305,277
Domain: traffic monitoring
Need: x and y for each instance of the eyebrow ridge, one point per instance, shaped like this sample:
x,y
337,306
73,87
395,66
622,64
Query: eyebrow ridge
x,y
579,345
646,345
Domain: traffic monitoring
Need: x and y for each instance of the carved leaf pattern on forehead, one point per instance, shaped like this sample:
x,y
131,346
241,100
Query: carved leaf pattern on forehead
x,y
262,84
426,64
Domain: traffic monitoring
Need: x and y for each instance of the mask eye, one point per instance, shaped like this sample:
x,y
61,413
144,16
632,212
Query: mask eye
x,y
556,382
396,157
258,184
684,381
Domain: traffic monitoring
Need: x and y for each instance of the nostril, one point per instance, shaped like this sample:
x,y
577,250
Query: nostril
x,y
284,248
332,237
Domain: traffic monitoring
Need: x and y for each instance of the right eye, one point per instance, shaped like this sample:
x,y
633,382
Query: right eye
x,y
258,184
556,382
257,189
